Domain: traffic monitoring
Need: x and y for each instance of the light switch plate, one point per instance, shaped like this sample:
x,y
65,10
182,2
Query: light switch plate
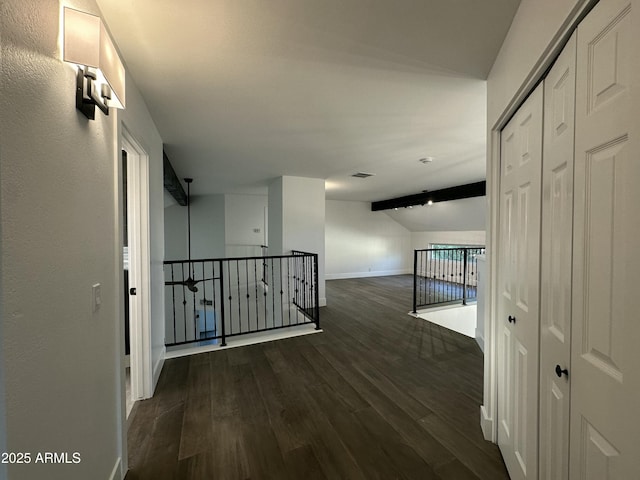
x,y
96,297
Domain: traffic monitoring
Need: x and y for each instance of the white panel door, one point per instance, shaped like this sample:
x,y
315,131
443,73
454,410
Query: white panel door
x,y
555,268
605,358
518,279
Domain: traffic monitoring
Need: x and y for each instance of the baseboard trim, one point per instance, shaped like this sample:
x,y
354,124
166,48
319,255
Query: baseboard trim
x,y
323,302
117,473
380,273
157,369
486,424
248,339
480,340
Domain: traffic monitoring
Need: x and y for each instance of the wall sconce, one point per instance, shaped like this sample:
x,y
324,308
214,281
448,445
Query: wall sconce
x,y
101,76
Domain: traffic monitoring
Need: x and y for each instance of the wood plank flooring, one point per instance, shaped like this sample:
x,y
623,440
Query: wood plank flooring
x,y
377,395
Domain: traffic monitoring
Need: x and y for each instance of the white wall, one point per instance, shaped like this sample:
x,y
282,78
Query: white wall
x,y
59,223
275,206
207,229
535,30
207,223
220,225
361,243
175,232
243,215
139,124
304,206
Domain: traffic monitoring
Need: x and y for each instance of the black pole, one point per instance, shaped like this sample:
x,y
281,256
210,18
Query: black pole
x,y
188,181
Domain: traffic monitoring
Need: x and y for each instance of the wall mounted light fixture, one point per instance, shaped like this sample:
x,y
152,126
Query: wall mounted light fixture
x,y
101,75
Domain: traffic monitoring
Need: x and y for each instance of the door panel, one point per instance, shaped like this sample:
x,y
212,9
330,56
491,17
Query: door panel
x,y
518,277
555,274
507,242
598,454
605,425
523,248
520,406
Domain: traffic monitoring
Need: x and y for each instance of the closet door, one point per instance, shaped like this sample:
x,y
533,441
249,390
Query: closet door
x,y
605,357
555,268
518,280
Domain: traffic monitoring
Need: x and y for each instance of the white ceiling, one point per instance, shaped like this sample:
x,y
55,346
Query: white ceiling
x,y
244,91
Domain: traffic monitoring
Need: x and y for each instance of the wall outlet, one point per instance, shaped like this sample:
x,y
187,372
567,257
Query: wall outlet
x,y
256,230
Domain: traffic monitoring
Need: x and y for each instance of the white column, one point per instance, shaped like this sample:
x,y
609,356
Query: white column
x,y
296,220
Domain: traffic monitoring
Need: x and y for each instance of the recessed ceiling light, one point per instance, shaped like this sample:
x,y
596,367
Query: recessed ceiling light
x,y
426,160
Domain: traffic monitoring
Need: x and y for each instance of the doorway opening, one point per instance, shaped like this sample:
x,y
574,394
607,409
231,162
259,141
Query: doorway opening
x,y
135,270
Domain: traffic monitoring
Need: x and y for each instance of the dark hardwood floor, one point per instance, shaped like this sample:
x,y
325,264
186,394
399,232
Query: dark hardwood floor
x,y
377,395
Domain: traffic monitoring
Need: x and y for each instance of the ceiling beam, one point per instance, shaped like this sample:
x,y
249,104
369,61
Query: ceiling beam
x,y
477,189
172,182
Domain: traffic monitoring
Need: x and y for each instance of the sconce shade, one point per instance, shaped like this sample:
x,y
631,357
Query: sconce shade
x,y
87,43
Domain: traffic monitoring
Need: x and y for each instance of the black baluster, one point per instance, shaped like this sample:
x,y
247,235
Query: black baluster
x,y
255,280
246,272
317,290
204,301
193,300
238,293
273,297
281,292
222,323
173,301
216,317
417,280
184,305
464,277
289,290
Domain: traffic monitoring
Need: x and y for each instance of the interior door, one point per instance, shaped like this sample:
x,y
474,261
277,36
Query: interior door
x,y
518,280
605,358
555,273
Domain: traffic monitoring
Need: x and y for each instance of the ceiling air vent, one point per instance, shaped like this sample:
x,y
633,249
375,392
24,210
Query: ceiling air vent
x,y
363,175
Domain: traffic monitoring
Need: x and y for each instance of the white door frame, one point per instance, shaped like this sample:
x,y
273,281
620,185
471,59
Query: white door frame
x,y
489,409
139,266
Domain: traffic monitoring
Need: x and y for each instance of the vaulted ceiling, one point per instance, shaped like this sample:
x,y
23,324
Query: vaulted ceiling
x,y
244,91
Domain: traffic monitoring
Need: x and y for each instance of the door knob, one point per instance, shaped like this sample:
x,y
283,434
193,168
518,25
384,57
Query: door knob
x,y
132,291
560,371
512,319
